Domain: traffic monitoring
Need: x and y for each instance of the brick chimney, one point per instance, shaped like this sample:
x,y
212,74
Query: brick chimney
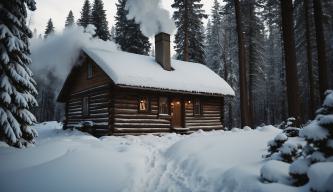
x,y
162,50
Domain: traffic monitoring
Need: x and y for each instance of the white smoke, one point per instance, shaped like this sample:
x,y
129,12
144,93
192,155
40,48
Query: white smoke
x,y
56,55
151,16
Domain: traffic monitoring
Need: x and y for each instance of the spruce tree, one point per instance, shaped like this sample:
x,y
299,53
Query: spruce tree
x,y
189,38
128,33
49,28
214,40
85,18
319,141
69,19
17,87
99,20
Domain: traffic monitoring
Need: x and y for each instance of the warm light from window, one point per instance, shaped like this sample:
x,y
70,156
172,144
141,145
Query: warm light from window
x,y
177,102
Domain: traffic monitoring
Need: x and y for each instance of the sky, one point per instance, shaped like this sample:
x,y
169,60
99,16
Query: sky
x,y
59,9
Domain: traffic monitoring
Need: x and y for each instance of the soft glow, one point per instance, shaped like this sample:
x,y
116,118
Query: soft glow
x,y
177,102
189,102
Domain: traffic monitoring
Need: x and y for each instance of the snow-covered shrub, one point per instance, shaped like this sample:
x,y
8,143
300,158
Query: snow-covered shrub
x,y
289,127
321,176
319,141
275,171
298,171
290,152
275,144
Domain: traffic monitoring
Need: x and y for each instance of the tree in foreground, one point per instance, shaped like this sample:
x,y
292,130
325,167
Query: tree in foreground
x,y
17,87
85,18
99,20
70,19
189,38
319,141
128,33
49,28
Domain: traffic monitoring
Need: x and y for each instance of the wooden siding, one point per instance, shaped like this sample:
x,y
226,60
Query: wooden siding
x,y
81,81
210,117
128,120
99,101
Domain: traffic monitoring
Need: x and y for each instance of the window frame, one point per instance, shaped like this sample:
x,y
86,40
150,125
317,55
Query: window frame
x,y
196,112
148,107
85,106
90,70
166,107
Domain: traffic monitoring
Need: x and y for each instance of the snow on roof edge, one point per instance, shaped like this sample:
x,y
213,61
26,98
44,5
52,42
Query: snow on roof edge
x,y
114,71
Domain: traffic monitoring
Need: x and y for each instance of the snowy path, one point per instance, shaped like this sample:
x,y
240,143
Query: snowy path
x,y
73,161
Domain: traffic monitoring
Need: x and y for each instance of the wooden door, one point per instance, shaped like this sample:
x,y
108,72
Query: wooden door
x,y
176,113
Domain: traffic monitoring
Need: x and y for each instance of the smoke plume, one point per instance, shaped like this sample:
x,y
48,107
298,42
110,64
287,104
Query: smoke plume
x,y
151,16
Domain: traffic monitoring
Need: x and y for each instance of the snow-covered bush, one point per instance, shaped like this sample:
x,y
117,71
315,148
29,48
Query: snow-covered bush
x,y
289,127
319,142
275,144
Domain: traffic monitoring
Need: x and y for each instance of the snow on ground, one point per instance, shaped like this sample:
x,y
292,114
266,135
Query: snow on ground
x,y
70,161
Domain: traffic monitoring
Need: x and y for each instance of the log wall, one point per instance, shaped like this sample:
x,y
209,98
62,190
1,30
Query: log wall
x,y
99,102
128,120
210,119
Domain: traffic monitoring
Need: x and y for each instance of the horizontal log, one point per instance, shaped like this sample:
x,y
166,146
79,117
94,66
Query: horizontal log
x,y
203,124
99,115
125,111
124,120
140,130
99,110
142,125
135,116
100,95
74,106
140,133
201,118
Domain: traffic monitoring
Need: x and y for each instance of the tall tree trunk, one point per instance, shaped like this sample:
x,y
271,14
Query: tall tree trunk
x,y
244,95
186,39
309,58
290,59
321,48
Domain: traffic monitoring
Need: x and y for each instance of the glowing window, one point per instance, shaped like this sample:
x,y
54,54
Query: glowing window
x,y
144,104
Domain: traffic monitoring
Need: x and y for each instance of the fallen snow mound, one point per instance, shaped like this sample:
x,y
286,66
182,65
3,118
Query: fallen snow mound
x,y
70,161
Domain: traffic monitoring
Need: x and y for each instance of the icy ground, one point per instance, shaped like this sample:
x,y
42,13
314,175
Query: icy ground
x,y
69,161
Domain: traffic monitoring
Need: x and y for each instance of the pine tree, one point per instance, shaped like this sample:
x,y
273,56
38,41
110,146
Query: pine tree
x,y
214,41
189,38
319,138
244,94
17,87
99,20
85,18
49,28
69,19
290,59
128,33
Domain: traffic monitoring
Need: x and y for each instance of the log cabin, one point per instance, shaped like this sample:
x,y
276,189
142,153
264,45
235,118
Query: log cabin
x,y
112,92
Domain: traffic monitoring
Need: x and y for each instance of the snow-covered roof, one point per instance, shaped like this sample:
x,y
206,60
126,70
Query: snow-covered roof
x,y
133,70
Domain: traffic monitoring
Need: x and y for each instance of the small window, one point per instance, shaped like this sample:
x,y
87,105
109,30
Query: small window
x,y
196,107
90,70
163,106
85,106
144,104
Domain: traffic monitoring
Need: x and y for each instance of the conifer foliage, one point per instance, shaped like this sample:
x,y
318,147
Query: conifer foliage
x,y
49,28
69,19
17,87
128,33
85,18
189,38
99,20
319,138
